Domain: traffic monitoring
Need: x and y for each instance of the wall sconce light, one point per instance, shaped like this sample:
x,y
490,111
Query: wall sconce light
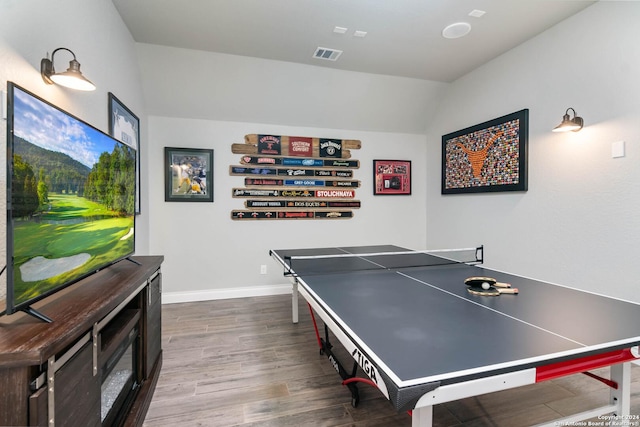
x,y
569,124
72,78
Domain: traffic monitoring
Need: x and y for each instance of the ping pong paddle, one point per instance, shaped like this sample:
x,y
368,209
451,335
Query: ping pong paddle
x,y
492,291
477,282
488,286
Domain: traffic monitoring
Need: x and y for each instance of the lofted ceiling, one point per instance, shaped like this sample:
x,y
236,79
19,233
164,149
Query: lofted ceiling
x,y
403,37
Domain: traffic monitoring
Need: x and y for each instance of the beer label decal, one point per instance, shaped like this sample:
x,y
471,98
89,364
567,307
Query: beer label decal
x,y
330,148
269,144
238,170
248,192
300,146
302,162
298,193
335,193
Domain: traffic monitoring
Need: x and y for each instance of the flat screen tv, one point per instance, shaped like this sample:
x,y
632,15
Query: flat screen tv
x,y
70,200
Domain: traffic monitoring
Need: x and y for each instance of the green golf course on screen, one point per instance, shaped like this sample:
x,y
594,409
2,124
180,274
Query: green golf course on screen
x,y
72,199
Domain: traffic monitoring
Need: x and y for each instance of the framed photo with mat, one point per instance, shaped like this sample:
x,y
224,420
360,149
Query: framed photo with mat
x,y
125,127
391,177
488,157
188,175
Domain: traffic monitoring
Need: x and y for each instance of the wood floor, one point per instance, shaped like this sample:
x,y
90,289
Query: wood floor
x,y
242,362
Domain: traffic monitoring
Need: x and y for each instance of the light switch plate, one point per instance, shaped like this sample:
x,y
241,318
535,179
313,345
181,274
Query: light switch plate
x,y
617,149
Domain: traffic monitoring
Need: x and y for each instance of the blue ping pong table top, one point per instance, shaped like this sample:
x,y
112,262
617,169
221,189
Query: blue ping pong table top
x,y
419,324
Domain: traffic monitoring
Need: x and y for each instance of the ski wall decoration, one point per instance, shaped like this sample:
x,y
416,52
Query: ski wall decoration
x,y
293,161
290,214
301,194
299,182
288,177
281,171
321,204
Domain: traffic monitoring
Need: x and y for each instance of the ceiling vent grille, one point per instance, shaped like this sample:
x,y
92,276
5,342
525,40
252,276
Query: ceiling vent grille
x,y
327,54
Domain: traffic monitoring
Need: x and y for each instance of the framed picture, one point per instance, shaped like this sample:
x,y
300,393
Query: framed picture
x,y
188,175
391,177
488,157
125,127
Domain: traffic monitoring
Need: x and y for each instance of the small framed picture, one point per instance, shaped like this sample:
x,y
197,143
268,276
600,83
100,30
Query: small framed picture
x,y
391,177
125,127
188,175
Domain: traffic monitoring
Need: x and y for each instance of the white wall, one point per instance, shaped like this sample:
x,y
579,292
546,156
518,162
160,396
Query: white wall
x,y
105,49
578,224
214,86
208,255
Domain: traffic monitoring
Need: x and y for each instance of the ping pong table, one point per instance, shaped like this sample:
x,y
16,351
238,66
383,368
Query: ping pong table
x,y
417,334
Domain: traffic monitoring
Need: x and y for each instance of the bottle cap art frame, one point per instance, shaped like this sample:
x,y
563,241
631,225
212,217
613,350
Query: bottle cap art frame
x,y
488,157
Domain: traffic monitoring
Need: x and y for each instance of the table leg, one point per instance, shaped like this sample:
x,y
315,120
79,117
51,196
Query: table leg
x,y
294,301
619,403
621,374
422,417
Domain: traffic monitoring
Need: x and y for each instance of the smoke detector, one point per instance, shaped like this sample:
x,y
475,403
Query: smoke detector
x,y
454,31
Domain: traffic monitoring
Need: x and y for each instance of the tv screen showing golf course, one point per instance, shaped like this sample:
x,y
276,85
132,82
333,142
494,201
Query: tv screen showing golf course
x,y
70,199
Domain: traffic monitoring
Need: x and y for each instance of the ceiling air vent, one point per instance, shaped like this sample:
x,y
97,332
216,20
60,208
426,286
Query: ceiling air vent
x,y
328,54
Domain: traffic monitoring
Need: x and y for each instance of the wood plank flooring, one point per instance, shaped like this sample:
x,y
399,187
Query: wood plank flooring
x,y
242,362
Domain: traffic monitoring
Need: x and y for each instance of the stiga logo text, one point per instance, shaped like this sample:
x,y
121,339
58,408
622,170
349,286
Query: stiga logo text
x,y
334,363
366,366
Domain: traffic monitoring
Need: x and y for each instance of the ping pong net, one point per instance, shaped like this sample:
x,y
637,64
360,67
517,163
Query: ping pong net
x,y
348,261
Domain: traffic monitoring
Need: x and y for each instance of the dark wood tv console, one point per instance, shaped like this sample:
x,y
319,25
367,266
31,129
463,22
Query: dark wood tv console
x,y
52,373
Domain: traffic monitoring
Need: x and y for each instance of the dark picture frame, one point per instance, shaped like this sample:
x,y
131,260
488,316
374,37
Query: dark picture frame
x,y
188,174
124,125
487,157
391,177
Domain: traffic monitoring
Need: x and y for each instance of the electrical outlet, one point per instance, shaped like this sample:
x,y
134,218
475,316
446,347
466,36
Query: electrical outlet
x,y
263,269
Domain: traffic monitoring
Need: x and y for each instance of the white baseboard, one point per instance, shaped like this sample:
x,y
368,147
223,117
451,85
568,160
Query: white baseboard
x,y
216,294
